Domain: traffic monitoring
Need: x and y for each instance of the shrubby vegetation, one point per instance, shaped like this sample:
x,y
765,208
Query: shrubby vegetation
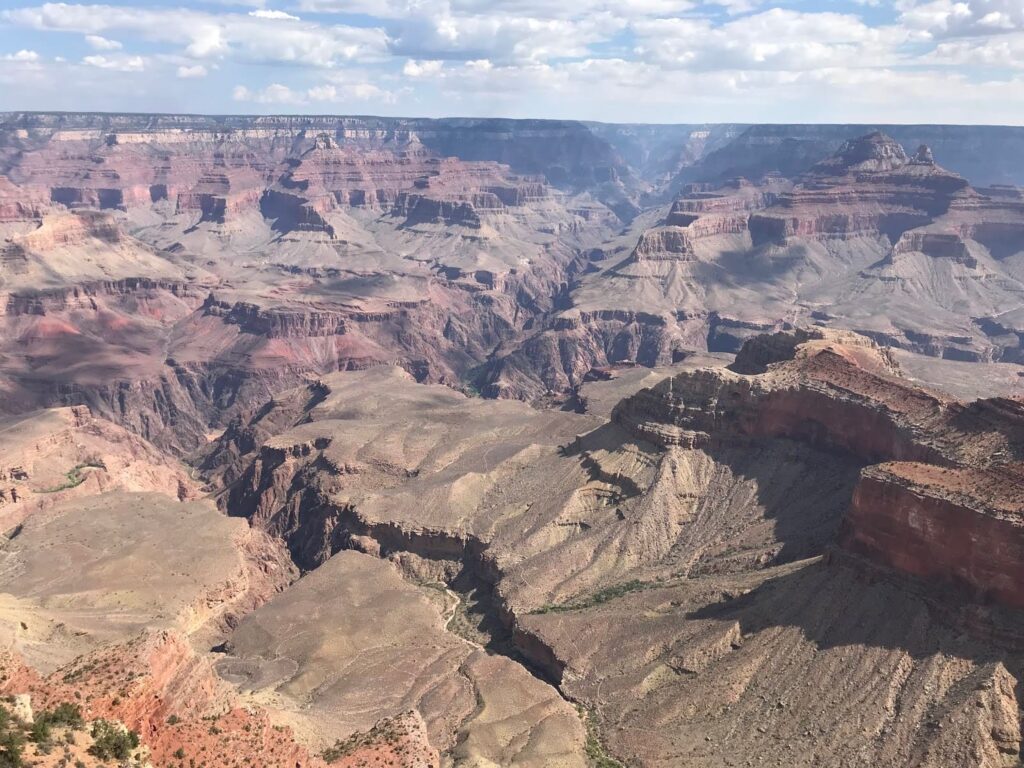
x,y
75,476
602,596
12,741
15,734
112,741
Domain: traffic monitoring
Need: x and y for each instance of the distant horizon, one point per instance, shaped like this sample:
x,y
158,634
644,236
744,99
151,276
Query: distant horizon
x,y
371,116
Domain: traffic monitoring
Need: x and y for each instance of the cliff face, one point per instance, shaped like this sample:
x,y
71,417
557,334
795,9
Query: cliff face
x,y
171,273
873,239
668,561
870,187
224,257
963,526
825,398
941,496
794,149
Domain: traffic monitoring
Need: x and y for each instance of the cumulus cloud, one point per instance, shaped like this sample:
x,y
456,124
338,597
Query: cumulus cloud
x,y
738,6
265,14
501,37
117,63
776,39
659,60
192,72
963,17
205,35
535,9
275,93
23,56
336,93
100,43
421,68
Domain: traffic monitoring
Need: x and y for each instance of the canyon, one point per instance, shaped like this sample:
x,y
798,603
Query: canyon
x,y
375,441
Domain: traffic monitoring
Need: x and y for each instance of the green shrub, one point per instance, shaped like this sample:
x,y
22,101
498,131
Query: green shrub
x,y
12,743
111,741
40,732
65,715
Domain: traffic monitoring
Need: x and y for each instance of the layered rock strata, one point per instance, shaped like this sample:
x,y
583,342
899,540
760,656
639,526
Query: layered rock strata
x,y
941,497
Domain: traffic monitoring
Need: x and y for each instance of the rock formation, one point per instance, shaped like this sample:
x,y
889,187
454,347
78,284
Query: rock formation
x,y
940,497
269,489
699,511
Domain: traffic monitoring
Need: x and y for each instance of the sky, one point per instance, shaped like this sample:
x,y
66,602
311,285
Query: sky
x,y
655,61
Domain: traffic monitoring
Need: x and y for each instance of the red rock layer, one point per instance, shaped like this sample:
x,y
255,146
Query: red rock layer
x,y
945,498
869,188
185,714
701,214
964,526
677,242
159,687
294,178
18,204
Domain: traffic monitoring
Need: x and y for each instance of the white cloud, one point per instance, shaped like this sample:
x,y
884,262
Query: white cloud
x,y
192,72
118,63
776,39
338,93
275,93
206,35
421,68
533,9
22,56
657,60
734,7
964,17
264,14
502,37
100,43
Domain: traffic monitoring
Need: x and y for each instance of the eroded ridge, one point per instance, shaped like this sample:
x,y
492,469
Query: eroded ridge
x,y
672,561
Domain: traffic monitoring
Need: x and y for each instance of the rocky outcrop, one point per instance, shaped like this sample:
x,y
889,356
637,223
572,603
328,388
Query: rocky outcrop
x,y
937,245
872,153
677,241
869,188
826,400
217,196
665,243
418,209
557,359
276,323
19,204
702,212
978,154
159,687
942,496
962,526
61,231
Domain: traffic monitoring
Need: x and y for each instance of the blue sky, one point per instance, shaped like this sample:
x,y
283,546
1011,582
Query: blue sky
x,y
872,61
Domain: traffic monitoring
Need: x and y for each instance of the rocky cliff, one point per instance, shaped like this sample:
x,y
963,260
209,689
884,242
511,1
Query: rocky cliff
x,y
940,497
722,521
962,526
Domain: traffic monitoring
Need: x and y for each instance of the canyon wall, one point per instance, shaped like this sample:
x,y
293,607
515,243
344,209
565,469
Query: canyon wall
x,y
941,495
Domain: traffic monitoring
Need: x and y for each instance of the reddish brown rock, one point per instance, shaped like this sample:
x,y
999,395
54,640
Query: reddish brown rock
x,y
946,503
963,526
869,188
159,687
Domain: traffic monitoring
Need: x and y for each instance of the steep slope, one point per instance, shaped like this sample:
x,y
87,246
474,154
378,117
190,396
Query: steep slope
x,y
232,261
665,566
871,239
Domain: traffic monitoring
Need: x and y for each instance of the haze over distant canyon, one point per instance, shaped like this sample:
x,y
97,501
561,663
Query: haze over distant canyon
x,y
365,441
